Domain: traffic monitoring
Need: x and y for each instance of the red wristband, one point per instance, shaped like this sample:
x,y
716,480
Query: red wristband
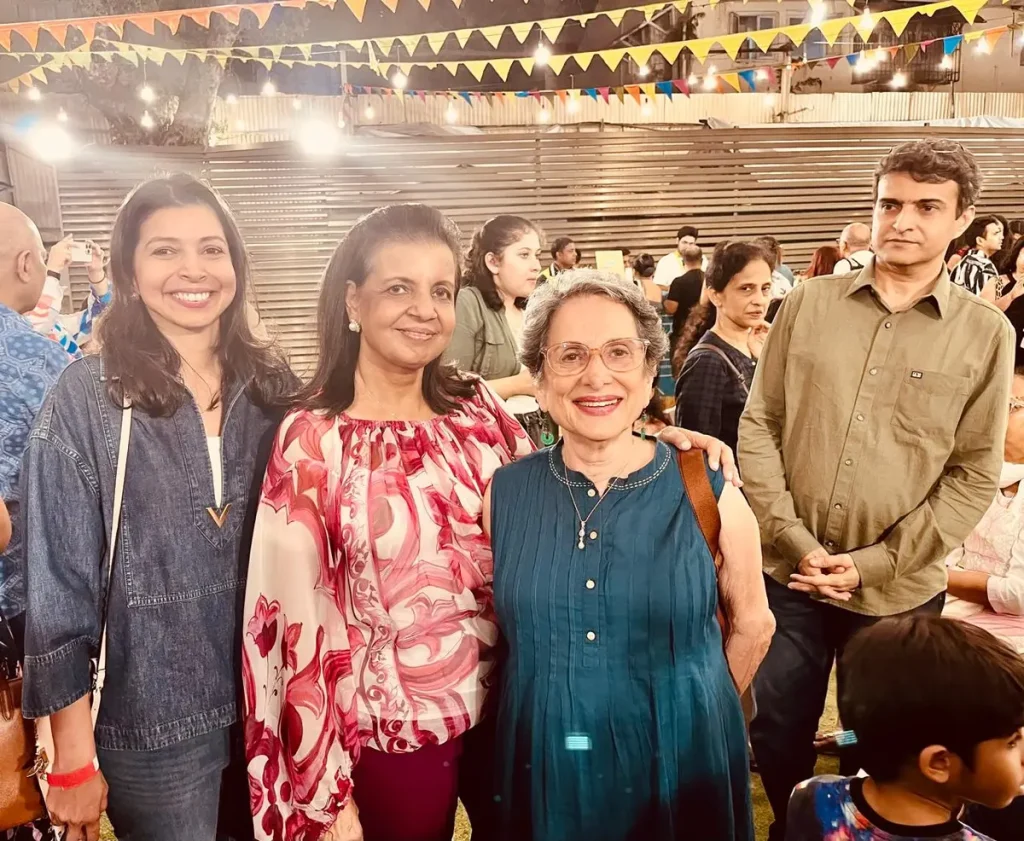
x,y
75,778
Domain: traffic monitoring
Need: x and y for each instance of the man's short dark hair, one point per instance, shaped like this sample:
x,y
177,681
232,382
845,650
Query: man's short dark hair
x,y
918,681
687,231
559,244
978,228
934,161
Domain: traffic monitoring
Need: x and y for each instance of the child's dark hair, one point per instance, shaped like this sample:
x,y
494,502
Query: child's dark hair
x,y
917,681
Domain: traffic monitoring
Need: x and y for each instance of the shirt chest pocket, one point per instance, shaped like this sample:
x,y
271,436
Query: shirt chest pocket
x,y
497,356
929,403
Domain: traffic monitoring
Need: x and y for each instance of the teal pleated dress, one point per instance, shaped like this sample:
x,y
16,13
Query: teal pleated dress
x,y
617,719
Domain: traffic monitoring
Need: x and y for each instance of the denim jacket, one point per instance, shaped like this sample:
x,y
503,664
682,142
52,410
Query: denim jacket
x,y
174,619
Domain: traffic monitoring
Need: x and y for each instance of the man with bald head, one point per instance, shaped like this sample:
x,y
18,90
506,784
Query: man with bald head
x,y
29,366
855,248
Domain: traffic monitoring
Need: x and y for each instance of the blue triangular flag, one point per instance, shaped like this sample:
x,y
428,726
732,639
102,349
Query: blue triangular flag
x,y
465,96
853,58
950,44
750,77
663,87
522,94
591,92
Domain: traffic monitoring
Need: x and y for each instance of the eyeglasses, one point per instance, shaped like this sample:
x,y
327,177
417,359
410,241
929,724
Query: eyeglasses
x,y
619,355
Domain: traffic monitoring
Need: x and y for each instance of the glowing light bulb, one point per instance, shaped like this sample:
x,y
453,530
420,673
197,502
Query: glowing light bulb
x,y
899,80
369,113
239,125
452,114
297,104
34,94
761,75
573,106
542,55
269,89
146,121
147,94
647,110
710,83
231,99
692,80
983,47
867,20
946,63
643,71
544,116
400,80
62,116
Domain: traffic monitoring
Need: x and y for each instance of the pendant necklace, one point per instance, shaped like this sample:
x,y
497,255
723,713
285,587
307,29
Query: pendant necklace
x,y
584,520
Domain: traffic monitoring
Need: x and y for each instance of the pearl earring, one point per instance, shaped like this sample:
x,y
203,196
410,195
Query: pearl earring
x,y
354,326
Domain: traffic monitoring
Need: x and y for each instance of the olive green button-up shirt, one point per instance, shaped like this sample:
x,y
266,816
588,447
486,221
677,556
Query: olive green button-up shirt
x,y
876,433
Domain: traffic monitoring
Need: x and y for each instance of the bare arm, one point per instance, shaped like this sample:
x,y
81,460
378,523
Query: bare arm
x,y
744,600
506,387
5,526
671,306
77,808
970,586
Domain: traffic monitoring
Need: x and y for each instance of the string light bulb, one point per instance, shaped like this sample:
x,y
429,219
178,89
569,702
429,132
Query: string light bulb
x,y
147,94
34,94
62,116
146,121
544,116
818,14
710,83
542,55
983,47
400,81
867,20
269,89
646,110
899,80
692,80
231,99
573,105
946,63
643,71
296,104
369,113
452,114
761,75
239,125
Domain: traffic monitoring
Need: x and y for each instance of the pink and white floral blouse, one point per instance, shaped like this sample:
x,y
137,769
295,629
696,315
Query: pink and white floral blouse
x,y
369,605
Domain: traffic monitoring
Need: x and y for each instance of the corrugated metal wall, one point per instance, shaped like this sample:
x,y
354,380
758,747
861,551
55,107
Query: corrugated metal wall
x,y
800,184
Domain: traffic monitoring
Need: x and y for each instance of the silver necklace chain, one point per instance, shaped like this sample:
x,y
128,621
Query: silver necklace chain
x,y
584,520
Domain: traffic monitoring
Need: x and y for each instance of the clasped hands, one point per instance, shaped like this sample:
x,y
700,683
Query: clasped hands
x,y
832,576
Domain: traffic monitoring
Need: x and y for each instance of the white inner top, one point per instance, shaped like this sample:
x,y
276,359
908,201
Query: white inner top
x,y
213,445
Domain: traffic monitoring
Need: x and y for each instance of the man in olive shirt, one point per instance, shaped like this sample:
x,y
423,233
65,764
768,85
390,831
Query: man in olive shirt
x,y
870,446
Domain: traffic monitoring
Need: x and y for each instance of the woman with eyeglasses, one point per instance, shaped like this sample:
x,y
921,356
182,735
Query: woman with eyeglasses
x,y
618,713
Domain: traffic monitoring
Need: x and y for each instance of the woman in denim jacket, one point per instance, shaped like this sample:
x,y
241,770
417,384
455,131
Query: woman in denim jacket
x,y
177,345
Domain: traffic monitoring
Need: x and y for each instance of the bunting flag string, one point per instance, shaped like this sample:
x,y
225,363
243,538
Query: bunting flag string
x,y
898,19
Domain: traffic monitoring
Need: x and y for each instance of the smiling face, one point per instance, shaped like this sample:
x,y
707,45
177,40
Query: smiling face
x,y
406,306
517,268
597,404
183,270
745,299
915,221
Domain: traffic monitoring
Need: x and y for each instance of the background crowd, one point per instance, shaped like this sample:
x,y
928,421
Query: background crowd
x,y
471,560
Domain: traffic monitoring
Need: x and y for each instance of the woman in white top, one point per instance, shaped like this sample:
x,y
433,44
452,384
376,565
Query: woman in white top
x,y
986,574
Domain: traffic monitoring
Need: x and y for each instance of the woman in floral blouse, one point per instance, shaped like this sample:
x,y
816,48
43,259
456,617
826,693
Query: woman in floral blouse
x,y
370,639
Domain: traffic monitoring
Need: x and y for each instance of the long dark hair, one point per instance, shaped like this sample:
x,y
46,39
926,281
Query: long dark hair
x,y
493,237
729,259
332,387
141,363
1009,265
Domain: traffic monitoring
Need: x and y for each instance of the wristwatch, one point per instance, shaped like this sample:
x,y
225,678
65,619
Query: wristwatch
x,y
53,273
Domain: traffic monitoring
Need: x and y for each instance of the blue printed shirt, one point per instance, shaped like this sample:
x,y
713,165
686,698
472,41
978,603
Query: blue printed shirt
x,y
29,366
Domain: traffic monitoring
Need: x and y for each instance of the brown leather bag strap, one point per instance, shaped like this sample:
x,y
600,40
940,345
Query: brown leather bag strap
x,y
702,499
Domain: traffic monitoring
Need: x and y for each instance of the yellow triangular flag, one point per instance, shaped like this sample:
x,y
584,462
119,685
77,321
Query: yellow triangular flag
x,y
670,51
732,80
131,56
798,33
552,29
969,8
477,68
642,54
732,44
80,59
266,62
306,50
276,50
681,5
557,62
527,64
898,19
451,66
410,42
613,58
764,38
521,30
355,45
832,29
384,45
502,67
616,16
493,34
222,60
462,36
650,90
38,73
701,47
584,59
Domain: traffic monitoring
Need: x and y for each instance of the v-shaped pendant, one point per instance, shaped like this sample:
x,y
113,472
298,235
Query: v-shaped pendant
x,y
219,517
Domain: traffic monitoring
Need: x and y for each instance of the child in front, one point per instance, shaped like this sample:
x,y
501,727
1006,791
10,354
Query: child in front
x,y
937,710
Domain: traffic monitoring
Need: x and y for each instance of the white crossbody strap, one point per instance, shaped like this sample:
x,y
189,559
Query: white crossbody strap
x,y
115,527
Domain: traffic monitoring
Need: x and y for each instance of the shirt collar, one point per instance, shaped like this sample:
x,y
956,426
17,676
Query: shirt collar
x,y
939,294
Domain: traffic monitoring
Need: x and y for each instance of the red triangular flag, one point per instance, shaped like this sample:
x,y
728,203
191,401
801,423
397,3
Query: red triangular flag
x,y
604,93
682,86
832,62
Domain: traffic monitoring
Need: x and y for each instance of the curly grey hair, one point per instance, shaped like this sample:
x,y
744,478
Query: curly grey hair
x,y
547,300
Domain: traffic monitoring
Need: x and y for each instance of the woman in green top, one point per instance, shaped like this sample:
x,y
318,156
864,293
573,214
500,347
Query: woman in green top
x,y
504,264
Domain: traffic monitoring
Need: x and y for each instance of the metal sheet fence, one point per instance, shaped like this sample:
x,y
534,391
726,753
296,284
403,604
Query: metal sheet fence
x,y
799,184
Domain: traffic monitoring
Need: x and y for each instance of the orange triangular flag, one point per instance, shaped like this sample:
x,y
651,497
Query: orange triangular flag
x,y
634,91
425,4
200,16
5,37
30,34
172,20
262,13
230,13
88,30
993,36
563,95
357,7
58,31
147,23
391,4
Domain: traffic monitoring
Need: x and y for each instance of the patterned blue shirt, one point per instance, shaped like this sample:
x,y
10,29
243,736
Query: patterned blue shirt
x,y
29,367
